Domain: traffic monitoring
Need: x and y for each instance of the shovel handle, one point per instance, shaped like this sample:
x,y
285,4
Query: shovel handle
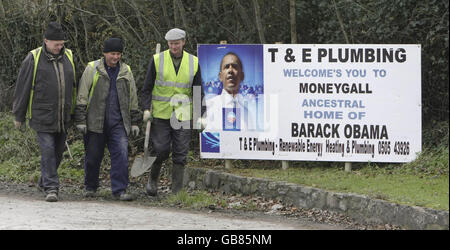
x,y
147,137
147,130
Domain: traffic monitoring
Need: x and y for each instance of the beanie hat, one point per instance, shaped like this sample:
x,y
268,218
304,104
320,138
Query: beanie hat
x,y
54,32
113,45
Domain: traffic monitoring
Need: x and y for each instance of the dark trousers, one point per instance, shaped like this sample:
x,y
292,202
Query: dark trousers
x,y
164,137
116,139
52,147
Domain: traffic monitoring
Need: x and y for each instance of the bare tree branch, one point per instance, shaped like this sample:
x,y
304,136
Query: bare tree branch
x,y
166,16
215,7
2,10
338,15
175,13
143,19
243,13
259,25
92,14
293,22
182,13
119,18
133,5
117,15
86,37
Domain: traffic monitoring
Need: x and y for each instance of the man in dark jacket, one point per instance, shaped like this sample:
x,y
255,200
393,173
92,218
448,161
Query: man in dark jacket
x,y
106,113
44,94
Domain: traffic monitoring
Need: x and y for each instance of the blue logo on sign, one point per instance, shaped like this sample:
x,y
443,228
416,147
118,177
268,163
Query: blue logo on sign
x,y
231,119
210,142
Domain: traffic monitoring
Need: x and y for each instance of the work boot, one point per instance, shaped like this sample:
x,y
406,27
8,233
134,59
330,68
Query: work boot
x,y
52,196
177,178
124,196
152,183
90,194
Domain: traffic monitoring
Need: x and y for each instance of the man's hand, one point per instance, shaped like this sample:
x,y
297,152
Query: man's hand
x,y
17,124
147,116
82,128
201,123
135,130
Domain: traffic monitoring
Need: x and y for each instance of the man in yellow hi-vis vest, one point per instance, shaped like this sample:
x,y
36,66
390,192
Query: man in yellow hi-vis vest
x,y
45,91
172,77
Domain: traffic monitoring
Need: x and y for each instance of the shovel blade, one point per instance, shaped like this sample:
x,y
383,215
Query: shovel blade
x,y
140,165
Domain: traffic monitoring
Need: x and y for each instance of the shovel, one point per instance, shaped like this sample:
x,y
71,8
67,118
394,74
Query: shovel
x,y
142,164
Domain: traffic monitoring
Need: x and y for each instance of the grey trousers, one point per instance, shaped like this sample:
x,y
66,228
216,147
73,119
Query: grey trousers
x,y
166,139
52,148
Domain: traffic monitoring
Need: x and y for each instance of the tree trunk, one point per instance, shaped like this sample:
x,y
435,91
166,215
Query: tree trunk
x,y
338,15
164,9
86,37
182,13
5,31
2,10
175,13
259,24
293,22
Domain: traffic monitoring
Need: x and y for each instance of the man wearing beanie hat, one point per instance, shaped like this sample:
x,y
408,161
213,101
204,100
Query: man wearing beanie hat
x,y
171,80
106,113
45,94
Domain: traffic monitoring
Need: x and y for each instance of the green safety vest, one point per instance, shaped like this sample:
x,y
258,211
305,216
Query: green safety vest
x,y
36,54
94,65
172,91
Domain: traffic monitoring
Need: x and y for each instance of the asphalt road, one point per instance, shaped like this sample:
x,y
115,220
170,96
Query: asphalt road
x,y
29,213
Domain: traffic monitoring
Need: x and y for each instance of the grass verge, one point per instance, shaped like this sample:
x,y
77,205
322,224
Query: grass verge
x,y
423,182
397,187
196,200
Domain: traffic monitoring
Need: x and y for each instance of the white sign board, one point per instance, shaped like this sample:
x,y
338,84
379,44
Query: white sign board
x,y
312,102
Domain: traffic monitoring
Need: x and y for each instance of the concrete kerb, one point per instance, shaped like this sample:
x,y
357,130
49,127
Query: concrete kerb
x,y
358,207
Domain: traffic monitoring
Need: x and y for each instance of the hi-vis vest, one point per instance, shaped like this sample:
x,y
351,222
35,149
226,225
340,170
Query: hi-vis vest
x,y
94,65
36,54
172,91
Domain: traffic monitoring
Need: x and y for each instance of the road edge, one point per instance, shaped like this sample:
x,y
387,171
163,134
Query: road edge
x,y
358,207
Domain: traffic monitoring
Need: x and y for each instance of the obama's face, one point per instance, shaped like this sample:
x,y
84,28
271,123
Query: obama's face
x,y
231,73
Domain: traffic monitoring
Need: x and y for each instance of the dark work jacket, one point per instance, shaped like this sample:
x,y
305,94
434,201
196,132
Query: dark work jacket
x,y
52,101
94,117
112,110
